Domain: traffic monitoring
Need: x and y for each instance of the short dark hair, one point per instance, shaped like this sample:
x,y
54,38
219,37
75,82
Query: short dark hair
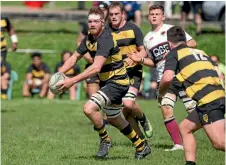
x,y
176,34
65,52
96,10
154,7
103,5
117,4
36,54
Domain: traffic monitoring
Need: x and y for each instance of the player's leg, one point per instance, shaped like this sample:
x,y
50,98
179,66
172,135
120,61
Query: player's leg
x,y
115,94
92,85
44,89
214,125
50,95
72,92
132,107
187,127
167,106
26,88
92,111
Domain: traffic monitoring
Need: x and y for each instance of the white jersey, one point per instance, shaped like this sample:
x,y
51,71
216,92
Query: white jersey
x,y
157,46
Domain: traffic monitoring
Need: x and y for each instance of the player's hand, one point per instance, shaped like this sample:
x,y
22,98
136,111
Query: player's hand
x,y
14,46
134,56
130,62
65,84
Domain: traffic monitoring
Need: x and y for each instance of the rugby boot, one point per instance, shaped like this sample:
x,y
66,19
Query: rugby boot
x,y
104,148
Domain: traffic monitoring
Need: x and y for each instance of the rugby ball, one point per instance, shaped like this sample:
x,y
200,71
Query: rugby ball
x,y
55,78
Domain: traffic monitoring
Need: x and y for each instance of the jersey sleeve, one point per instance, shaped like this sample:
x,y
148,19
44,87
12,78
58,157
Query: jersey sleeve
x,y
77,69
82,49
138,35
104,45
171,61
56,68
46,68
29,69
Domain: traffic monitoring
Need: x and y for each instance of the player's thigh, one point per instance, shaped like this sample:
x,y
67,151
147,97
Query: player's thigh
x,y
214,124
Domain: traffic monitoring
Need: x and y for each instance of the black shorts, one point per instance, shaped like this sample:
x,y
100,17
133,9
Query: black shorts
x,y
176,87
92,80
153,75
135,75
115,92
3,55
212,112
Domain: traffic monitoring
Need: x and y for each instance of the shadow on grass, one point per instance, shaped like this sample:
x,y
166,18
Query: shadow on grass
x,y
161,146
5,110
103,159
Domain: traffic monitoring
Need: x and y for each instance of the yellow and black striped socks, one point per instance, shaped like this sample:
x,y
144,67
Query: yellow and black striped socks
x,y
134,138
103,133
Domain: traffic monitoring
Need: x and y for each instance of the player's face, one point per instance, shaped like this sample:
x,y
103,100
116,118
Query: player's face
x,y
66,56
156,17
105,12
37,61
115,16
95,24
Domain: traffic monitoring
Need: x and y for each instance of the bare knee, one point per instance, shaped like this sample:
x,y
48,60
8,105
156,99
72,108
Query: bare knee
x,y
129,104
219,145
88,109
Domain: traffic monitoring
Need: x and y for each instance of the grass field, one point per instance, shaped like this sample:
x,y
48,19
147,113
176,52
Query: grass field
x,y
39,132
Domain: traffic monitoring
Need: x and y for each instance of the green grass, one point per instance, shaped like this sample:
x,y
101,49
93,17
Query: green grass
x,y
40,132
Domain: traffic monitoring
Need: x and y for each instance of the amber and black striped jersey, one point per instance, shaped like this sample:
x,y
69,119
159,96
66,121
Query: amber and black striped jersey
x,y
38,73
196,71
113,69
5,26
72,72
129,37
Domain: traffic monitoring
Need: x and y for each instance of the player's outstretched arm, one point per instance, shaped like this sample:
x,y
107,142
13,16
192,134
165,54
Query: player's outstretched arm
x,y
165,82
70,62
139,59
89,72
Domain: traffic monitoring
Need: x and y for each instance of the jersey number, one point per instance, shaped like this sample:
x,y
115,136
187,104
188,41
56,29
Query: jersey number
x,y
199,56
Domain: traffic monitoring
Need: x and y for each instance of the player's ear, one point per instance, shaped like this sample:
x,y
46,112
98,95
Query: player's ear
x,y
164,17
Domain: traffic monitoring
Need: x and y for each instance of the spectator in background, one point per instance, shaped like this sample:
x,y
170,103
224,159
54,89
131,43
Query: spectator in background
x,y
5,77
133,11
65,55
221,68
196,7
37,77
7,26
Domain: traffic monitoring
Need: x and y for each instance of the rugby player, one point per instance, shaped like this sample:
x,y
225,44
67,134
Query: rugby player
x,y
198,74
130,38
157,47
114,83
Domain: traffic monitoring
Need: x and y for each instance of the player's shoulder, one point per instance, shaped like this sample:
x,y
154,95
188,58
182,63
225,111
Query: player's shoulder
x,y
106,35
59,64
148,36
132,25
167,26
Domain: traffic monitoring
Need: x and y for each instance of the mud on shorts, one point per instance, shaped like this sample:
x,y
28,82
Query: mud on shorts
x,y
109,97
